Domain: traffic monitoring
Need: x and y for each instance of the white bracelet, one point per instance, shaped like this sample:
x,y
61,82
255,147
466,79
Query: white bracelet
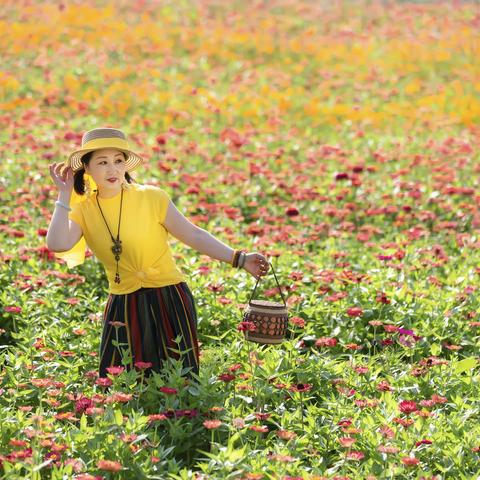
x,y
61,204
241,260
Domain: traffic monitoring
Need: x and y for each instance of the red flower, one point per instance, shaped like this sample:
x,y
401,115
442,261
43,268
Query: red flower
x,y
355,312
298,321
246,327
291,211
235,367
226,377
301,387
161,139
423,442
407,406
384,386
382,298
82,404
169,390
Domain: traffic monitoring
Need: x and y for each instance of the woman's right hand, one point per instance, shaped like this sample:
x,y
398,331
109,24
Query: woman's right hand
x,y
63,179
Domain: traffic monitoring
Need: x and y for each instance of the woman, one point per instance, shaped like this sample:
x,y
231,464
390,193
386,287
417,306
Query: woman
x,y
150,309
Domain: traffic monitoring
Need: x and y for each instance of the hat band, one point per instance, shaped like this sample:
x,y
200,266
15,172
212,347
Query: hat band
x,y
106,143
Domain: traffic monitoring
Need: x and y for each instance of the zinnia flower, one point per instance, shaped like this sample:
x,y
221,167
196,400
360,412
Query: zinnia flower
x,y
109,465
226,377
211,424
115,370
168,390
143,365
407,406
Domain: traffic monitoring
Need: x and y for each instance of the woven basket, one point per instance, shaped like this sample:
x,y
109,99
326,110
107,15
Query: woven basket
x,y
270,318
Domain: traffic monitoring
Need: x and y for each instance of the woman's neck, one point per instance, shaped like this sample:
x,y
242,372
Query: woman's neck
x,y
109,193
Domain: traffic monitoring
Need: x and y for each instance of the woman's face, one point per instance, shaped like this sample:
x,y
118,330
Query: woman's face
x,y
107,168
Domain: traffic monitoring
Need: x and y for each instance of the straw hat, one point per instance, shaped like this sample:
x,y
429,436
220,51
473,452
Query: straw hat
x,y
104,138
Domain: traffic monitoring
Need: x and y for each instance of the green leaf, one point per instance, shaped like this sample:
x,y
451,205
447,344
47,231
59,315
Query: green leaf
x,y
435,349
118,417
83,422
465,364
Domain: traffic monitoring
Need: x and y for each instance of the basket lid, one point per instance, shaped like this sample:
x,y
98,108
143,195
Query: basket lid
x,y
267,303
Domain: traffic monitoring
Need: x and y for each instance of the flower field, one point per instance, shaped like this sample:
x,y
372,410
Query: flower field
x,y
341,140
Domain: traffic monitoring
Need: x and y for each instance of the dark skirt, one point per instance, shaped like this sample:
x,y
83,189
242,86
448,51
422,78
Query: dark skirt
x,y
152,320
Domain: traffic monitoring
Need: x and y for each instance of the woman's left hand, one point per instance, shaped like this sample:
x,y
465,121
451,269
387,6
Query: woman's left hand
x,y
256,264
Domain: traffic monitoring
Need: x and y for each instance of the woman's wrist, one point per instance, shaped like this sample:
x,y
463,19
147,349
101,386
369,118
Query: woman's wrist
x,y
64,196
238,258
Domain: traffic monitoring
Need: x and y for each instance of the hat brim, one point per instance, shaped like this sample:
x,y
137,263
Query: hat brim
x,y
75,159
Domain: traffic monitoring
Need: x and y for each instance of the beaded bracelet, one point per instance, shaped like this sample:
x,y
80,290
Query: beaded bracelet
x,y
61,204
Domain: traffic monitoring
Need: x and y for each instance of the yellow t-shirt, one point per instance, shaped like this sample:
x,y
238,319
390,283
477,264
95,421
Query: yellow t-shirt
x,y
146,259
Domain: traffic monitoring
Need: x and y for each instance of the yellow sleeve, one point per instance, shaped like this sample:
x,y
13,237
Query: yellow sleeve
x,y
161,199
76,215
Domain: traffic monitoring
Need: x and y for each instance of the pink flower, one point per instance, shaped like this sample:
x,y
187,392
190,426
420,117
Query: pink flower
x,y
346,442
143,365
259,428
410,461
115,370
156,417
211,424
12,309
355,455
388,449
103,382
286,434
325,342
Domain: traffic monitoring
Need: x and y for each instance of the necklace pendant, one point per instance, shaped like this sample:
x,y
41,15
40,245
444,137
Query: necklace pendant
x,y
117,278
117,247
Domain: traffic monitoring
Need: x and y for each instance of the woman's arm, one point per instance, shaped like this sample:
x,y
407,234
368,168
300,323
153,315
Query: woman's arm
x,y
62,233
205,243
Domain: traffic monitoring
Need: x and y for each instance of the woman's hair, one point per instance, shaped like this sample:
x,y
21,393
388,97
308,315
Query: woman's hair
x,y
79,182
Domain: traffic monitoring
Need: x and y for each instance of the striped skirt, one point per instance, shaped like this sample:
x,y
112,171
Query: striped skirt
x,y
153,324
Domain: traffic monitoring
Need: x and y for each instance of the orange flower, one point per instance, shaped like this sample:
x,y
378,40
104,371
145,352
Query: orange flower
x,y
109,465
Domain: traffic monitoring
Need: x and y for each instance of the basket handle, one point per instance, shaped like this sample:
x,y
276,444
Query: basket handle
x,y
279,288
